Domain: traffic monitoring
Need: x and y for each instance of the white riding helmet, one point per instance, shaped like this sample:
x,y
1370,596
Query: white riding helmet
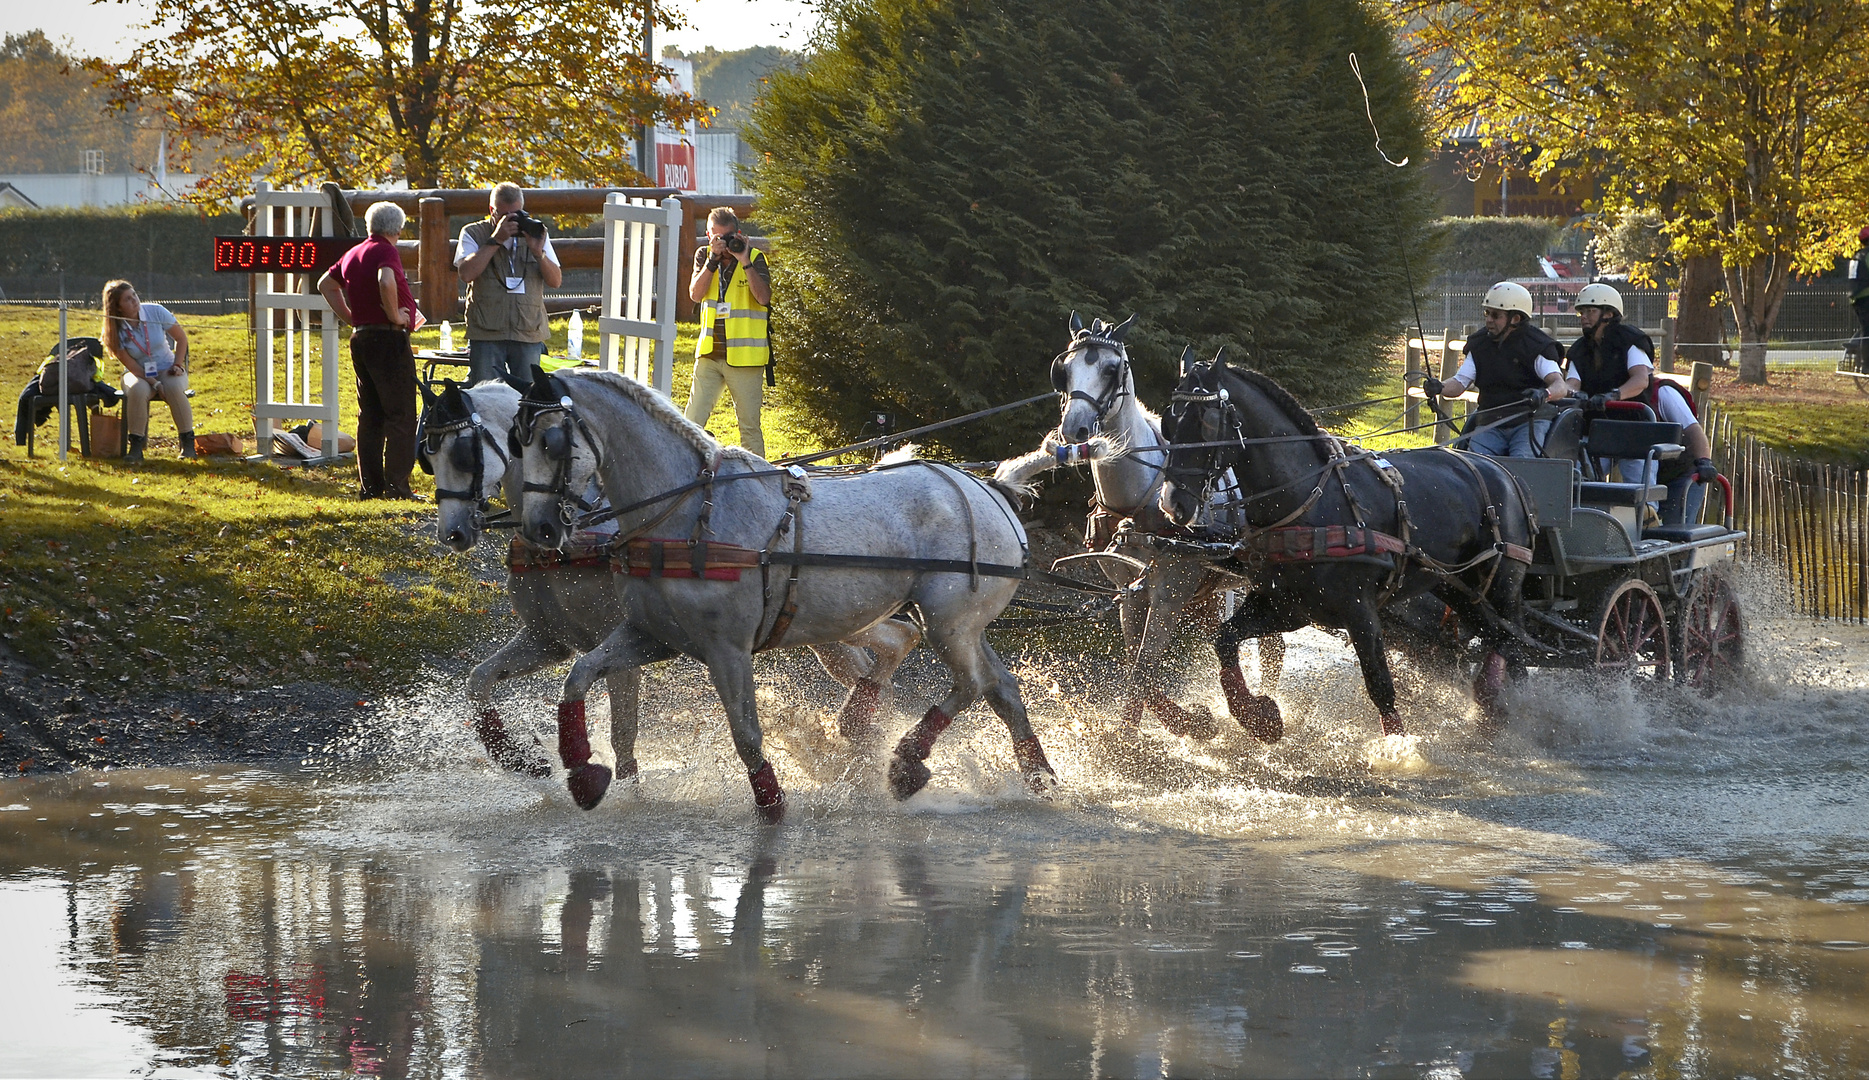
x,y
1598,295
1509,296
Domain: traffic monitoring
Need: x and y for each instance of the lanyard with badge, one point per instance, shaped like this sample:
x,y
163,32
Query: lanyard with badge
x,y
721,307
515,278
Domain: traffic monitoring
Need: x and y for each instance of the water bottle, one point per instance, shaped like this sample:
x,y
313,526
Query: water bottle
x,y
447,336
574,337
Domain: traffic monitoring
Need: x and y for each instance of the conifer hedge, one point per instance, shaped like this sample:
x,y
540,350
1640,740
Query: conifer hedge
x,y
947,179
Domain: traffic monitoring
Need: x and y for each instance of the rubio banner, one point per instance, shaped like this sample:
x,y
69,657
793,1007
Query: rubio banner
x,y
674,147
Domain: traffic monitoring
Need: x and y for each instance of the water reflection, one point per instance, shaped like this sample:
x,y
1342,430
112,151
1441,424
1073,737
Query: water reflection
x,y
1682,893
302,937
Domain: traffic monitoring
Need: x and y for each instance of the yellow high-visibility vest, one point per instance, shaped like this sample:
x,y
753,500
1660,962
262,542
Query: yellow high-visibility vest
x,y
745,323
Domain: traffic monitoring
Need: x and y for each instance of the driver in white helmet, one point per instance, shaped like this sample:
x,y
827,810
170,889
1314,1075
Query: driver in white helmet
x,y
1514,365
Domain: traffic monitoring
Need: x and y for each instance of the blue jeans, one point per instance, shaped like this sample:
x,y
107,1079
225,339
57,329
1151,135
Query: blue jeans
x,y
1684,495
1520,440
492,359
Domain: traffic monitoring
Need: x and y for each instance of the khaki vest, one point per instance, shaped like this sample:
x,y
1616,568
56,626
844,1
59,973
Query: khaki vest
x,y
493,314
744,326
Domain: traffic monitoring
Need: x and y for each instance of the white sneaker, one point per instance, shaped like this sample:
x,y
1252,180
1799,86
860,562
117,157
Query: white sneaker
x,y
293,446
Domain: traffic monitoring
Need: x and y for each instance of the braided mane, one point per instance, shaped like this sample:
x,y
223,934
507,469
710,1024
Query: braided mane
x,y
660,408
1281,397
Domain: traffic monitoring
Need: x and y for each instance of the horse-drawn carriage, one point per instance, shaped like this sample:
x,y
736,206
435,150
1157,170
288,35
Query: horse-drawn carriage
x,y
1604,590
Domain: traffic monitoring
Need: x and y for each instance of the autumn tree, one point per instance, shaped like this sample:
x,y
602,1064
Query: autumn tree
x,y
50,114
1740,122
437,93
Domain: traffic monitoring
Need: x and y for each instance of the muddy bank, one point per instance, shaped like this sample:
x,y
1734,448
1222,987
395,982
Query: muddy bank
x,y
51,722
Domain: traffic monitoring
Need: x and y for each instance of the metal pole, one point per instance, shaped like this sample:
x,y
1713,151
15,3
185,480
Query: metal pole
x,y
645,141
64,385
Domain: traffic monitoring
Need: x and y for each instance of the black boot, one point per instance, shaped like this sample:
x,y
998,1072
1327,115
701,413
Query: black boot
x,y
134,455
188,444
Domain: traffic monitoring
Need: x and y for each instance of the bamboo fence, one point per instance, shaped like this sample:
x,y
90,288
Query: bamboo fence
x,y
1808,523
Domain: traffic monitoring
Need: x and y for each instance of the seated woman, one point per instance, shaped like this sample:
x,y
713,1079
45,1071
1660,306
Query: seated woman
x,y
153,349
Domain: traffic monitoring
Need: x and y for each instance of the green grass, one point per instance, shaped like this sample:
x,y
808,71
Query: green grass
x,y
1831,434
199,573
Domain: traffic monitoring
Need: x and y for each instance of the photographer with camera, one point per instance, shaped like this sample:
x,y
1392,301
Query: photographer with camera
x,y
733,287
506,328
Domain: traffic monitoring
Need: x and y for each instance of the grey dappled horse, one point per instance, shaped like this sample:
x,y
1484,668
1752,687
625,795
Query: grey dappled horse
x,y
691,488
566,610
1100,409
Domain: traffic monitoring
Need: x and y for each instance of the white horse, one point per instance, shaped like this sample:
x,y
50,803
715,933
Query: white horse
x,y
737,556
1123,442
569,606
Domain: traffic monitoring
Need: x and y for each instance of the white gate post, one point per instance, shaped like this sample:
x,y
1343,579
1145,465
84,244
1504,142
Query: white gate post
x,y
636,325
297,401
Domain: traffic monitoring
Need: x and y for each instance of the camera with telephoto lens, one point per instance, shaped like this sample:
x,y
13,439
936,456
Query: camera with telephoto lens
x,y
528,224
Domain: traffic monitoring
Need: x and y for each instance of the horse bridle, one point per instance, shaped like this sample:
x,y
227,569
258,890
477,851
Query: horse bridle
x,y
467,453
1104,402
1216,415
557,441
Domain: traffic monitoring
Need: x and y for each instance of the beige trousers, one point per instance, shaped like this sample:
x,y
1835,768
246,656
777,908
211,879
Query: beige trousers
x,y
746,384
173,388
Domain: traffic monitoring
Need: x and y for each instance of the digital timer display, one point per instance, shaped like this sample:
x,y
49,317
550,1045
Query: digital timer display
x,y
279,254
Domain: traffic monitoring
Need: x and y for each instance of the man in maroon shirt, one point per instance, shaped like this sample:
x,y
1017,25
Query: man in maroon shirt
x,y
368,290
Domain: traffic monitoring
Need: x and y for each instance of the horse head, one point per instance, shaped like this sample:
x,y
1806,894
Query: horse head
x,y
557,456
1201,414
457,445
1091,376
1218,412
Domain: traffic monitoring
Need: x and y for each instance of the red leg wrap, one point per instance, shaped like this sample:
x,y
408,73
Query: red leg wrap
x,y
1031,757
1188,723
920,740
1259,715
587,781
1391,724
1490,682
856,721
504,751
768,796
574,740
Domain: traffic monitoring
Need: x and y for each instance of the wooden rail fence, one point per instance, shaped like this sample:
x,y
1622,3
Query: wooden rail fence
x,y
1808,523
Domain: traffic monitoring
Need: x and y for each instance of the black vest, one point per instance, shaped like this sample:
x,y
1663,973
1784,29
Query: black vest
x,y
1603,366
1504,370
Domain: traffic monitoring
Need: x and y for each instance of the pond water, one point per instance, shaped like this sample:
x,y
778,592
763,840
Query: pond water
x,y
1650,884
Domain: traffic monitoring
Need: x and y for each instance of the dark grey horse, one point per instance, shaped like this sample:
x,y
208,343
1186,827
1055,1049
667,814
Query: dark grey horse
x,y
1464,519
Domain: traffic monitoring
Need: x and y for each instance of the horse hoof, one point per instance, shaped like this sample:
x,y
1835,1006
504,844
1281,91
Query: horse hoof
x,y
1263,720
587,784
1196,722
626,769
771,815
1391,724
906,777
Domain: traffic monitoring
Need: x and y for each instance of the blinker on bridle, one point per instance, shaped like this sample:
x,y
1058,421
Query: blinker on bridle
x,y
1103,402
557,442
466,454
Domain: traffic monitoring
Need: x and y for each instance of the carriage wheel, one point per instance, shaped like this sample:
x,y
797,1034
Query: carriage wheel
x,y
1711,635
1632,633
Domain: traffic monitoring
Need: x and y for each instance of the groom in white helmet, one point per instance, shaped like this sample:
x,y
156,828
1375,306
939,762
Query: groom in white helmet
x,y
1515,366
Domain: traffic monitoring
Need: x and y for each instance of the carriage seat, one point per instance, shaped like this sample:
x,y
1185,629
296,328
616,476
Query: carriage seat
x,y
1683,534
1634,439
1603,493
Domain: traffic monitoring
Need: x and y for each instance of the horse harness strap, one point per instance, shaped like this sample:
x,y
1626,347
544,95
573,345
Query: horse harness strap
x,y
1304,543
797,493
